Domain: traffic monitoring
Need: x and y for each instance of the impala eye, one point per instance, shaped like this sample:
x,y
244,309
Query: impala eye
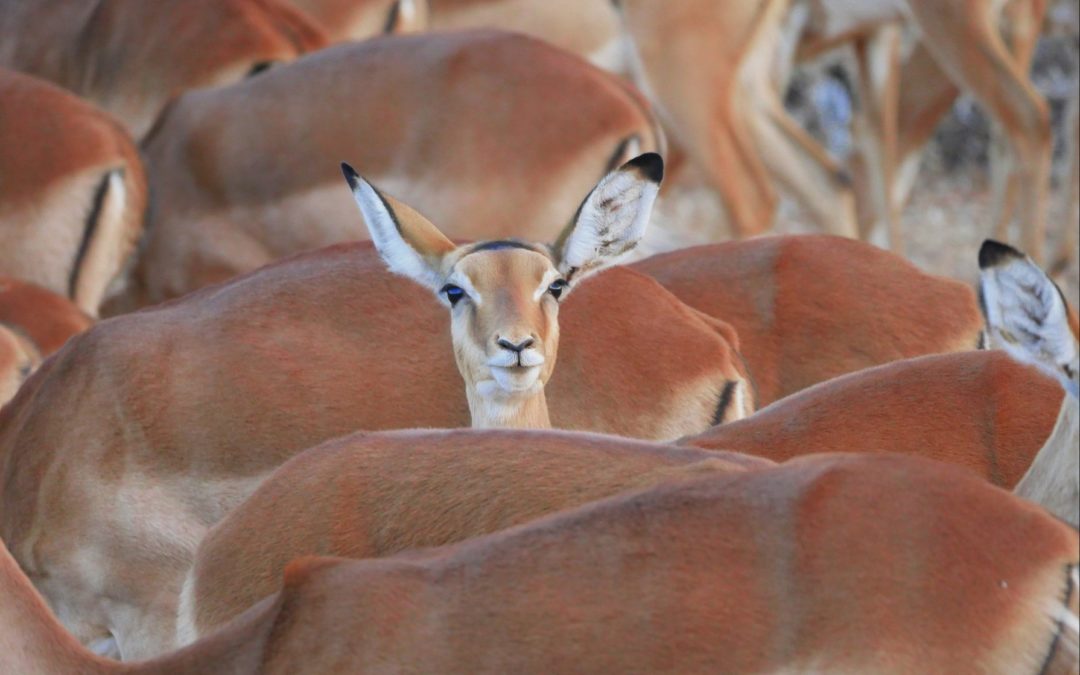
x,y
557,287
453,293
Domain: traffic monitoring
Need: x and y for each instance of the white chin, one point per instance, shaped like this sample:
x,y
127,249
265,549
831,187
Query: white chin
x,y
515,380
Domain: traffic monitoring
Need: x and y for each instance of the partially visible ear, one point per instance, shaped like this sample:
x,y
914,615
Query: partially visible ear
x,y
408,243
1026,313
407,16
612,219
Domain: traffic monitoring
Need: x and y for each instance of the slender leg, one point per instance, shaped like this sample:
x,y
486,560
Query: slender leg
x,y
794,159
878,57
971,51
687,57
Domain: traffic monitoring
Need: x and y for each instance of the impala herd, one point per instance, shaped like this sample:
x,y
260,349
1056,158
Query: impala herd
x,y
775,454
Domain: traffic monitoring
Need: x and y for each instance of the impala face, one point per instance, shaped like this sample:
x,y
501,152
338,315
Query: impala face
x,y
503,296
504,304
1026,314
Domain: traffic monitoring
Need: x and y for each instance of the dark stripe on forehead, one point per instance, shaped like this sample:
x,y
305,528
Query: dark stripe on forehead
x,y
500,244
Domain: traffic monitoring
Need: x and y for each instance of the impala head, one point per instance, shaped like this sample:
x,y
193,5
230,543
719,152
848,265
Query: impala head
x,y
504,296
1026,314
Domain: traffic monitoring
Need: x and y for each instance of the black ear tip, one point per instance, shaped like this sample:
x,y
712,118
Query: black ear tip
x,y
350,174
993,253
650,164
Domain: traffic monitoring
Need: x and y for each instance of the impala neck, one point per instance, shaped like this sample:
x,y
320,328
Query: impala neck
x,y
528,411
31,638
1052,479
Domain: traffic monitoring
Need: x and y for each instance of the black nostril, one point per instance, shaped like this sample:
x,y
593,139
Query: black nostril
x,y
519,347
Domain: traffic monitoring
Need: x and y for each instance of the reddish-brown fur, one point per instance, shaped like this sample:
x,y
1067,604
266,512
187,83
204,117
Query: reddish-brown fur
x,y
148,428
981,410
130,56
48,319
374,495
487,134
840,563
18,358
811,308
57,151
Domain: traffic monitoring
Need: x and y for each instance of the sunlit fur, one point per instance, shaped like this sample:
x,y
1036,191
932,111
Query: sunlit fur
x,y
834,563
375,499
800,303
978,409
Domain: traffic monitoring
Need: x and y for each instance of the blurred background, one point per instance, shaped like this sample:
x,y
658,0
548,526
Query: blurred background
x,y
948,213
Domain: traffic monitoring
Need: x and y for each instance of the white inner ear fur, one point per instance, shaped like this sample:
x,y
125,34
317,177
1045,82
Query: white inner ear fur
x,y
1027,317
399,256
611,222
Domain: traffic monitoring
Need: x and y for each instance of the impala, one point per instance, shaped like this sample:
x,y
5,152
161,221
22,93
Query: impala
x,y
811,308
18,358
34,323
835,563
130,57
978,409
374,495
504,295
121,451
415,111
981,410
73,192
1027,316
48,320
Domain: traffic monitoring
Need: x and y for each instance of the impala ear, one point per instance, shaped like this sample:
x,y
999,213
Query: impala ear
x,y
612,219
407,16
406,241
1026,313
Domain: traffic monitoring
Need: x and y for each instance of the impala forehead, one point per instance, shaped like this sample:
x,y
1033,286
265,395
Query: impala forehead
x,y
509,269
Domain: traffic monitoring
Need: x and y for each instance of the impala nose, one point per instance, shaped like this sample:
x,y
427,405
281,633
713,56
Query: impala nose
x,y
518,348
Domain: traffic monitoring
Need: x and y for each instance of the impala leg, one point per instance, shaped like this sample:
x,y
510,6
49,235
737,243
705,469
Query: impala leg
x,y
794,159
1067,252
926,96
971,51
878,56
686,57
803,168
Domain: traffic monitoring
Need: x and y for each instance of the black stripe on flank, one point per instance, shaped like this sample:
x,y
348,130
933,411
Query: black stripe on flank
x,y
89,230
725,401
1060,624
392,18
